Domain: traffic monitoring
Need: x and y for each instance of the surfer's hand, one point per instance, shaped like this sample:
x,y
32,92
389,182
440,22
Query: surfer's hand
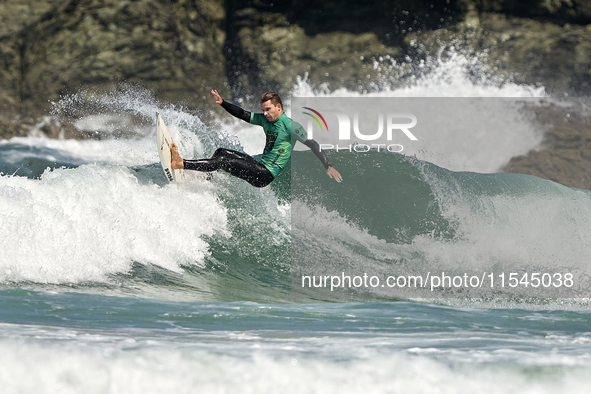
x,y
334,174
217,97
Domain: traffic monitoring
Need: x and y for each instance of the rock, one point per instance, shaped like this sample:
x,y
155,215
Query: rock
x,y
332,45
15,17
23,120
12,123
521,50
275,54
174,49
555,11
565,156
538,53
160,45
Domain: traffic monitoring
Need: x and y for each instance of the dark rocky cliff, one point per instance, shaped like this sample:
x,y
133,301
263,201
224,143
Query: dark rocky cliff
x,y
181,48
56,46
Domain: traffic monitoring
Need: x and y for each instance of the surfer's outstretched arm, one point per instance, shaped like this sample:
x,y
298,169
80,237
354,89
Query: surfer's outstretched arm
x,y
232,109
330,170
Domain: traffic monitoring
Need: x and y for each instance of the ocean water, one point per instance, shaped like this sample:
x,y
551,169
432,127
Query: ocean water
x,y
113,280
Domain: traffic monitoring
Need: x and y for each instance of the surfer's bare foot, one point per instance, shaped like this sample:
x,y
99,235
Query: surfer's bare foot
x,y
177,162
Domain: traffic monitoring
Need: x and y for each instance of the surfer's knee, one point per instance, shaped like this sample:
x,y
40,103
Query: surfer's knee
x,y
261,181
219,152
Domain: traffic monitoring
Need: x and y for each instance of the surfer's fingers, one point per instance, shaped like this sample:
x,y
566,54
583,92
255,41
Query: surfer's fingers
x,y
334,174
217,97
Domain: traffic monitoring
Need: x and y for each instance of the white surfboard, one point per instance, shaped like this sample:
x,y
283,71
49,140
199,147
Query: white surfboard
x,y
164,145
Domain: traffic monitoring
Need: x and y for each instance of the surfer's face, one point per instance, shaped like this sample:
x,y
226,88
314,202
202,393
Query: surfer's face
x,y
271,111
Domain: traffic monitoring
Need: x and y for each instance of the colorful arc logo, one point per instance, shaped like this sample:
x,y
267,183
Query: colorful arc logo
x,y
315,118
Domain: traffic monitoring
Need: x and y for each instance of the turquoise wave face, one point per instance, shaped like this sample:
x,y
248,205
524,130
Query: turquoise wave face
x,y
384,193
398,216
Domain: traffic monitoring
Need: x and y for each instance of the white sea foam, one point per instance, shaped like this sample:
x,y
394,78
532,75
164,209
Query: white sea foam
x,y
511,223
128,152
93,363
82,224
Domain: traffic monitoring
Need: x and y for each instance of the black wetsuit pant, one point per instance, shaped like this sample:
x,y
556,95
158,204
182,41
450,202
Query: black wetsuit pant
x,y
236,163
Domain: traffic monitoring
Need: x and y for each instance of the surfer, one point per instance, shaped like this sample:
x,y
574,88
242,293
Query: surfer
x,y
281,133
